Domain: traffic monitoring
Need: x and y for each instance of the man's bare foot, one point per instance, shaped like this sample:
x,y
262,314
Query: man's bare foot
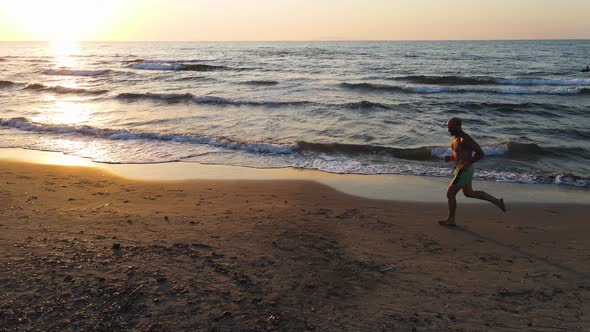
x,y
447,222
501,205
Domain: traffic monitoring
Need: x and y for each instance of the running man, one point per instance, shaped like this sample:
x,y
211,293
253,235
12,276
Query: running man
x,y
466,152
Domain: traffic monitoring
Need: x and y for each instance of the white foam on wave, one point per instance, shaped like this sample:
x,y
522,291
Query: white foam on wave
x,y
70,72
345,165
543,81
124,134
569,180
441,152
259,154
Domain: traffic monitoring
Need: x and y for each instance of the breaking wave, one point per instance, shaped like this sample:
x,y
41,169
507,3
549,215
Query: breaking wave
x,y
125,134
167,61
7,84
261,82
462,80
187,97
367,105
423,89
70,72
511,149
446,80
331,157
62,89
176,67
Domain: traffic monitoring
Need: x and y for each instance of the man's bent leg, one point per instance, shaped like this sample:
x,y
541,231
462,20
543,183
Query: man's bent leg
x,y
452,191
469,192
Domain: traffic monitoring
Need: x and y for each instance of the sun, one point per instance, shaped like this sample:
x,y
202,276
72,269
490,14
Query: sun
x,y
61,21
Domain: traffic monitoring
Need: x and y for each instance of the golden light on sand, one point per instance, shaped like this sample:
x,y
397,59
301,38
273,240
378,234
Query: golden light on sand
x,y
43,157
64,160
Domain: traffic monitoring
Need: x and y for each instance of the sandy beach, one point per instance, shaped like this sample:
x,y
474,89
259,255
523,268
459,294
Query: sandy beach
x,y
84,249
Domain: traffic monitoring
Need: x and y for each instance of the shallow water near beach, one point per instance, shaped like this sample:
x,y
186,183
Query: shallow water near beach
x,y
340,107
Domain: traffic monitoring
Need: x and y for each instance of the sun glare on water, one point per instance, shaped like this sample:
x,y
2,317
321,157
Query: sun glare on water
x,y
62,112
63,47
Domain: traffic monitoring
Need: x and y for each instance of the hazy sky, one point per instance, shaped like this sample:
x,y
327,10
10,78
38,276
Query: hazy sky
x,y
193,20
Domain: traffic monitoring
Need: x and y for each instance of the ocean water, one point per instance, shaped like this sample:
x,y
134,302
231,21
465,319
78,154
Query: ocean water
x,y
342,107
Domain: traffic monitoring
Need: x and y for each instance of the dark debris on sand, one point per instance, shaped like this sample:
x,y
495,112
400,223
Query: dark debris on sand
x,y
96,285
299,279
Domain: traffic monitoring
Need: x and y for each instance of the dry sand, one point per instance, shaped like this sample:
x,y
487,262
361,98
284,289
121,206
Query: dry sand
x,y
82,249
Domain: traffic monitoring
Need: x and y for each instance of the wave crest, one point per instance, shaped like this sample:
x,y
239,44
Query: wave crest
x,y
447,80
511,150
363,104
334,157
6,84
464,80
423,89
125,134
70,72
167,61
571,180
187,97
176,67
62,89
261,82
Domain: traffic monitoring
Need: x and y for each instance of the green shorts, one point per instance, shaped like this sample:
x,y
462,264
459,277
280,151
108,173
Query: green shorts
x,y
462,177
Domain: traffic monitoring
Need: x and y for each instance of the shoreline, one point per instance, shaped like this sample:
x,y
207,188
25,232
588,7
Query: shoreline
x,y
85,249
407,188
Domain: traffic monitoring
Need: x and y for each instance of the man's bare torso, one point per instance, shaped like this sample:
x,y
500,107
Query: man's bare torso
x,y
463,149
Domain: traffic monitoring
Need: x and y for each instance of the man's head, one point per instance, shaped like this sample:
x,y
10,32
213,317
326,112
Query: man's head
x,y
454,126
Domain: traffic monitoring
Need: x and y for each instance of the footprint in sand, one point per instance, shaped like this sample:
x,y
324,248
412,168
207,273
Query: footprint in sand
x,y
552,212
349,213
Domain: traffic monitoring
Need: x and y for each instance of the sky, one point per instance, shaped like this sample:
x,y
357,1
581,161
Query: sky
x,y
261,20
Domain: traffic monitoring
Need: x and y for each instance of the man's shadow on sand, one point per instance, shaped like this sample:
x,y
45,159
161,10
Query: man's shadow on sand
x,y
520,252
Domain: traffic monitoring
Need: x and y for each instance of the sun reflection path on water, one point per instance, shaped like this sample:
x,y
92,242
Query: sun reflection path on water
x,y
65,56
62,109
64,112
64,52
64,115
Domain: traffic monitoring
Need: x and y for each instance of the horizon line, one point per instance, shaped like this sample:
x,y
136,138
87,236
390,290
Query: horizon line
x,y
296,40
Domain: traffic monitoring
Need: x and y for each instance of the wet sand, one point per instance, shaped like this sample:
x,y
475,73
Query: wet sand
x,y
83,249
